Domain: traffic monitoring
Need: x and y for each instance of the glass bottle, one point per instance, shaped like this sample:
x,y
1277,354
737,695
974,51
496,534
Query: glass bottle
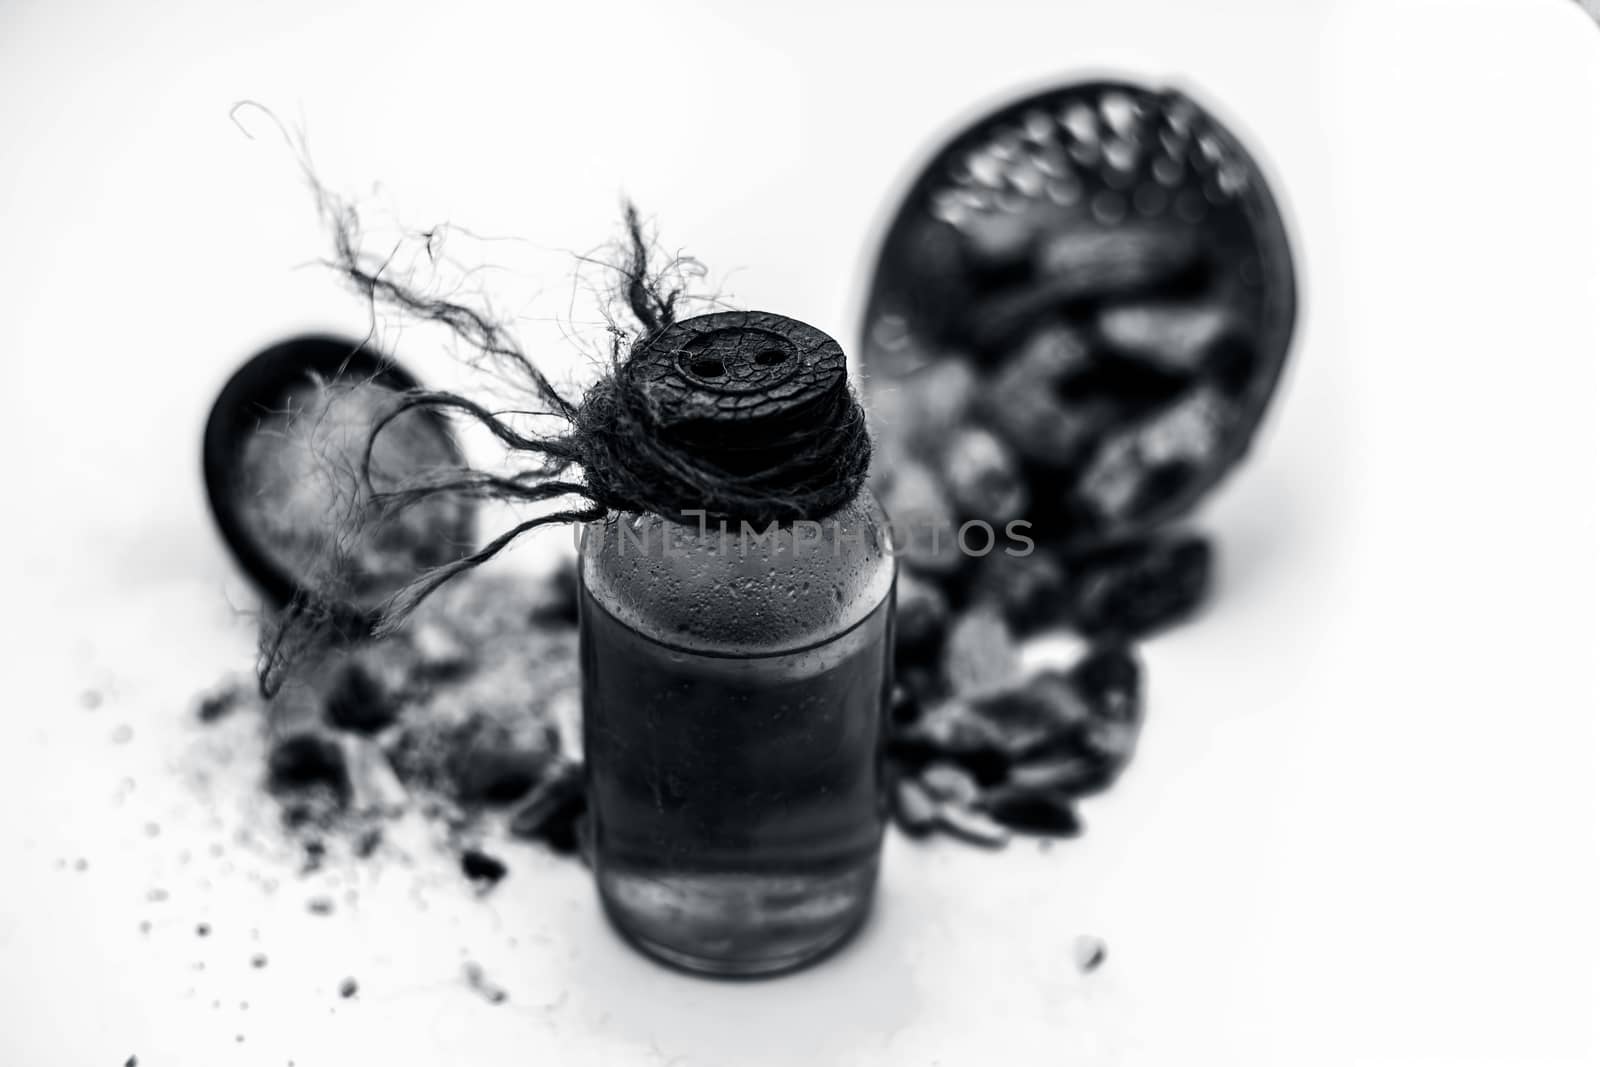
x,y
735,687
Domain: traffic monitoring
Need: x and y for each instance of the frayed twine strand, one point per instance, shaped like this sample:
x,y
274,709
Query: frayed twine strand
x,y
610,456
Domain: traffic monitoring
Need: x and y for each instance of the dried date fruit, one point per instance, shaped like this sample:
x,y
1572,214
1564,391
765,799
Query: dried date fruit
x,y
1181,337
1087,263
1069,773
972,826
953,728
921,521
1021,401
921,613
1045,710
932,402
1141,466
948,783
980,653
1029,590
915,811
1109,679
1030,811
981,478
1136,588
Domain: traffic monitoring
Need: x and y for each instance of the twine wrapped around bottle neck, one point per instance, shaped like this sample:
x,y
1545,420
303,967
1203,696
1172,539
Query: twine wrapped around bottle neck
x,y
741,415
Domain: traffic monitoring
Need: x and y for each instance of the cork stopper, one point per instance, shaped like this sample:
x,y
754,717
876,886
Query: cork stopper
x,y
740,414
737,379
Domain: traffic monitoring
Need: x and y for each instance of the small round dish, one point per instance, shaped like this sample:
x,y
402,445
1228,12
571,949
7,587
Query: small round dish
x,y
270,520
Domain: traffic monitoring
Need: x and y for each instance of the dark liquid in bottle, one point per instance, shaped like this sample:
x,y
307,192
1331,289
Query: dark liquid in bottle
x,y
737,803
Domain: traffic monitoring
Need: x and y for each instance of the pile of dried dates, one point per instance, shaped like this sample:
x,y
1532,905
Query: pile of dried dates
x,y
1076,322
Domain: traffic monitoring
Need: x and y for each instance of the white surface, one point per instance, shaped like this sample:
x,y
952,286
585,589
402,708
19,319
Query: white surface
x,y
1361,825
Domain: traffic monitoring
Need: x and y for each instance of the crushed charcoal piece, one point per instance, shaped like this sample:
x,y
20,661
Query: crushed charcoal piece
x,y
972,826
1033,812
358,700
1030,590
552,809
479,983
482,868
946,782
980,654
320,906
315,851
557,603
368,842
203,930
980,758
91,699
439,653
215,706
921,613
121,734
258,961
1112,742
982,479
915,810
493,765
306,760
131,1061
348,988
1134,589
1088,952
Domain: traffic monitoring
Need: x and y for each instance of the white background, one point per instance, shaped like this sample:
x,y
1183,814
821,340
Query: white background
x,y
1361,825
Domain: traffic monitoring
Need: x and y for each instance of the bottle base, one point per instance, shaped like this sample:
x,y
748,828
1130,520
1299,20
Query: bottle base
x,y
718,937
